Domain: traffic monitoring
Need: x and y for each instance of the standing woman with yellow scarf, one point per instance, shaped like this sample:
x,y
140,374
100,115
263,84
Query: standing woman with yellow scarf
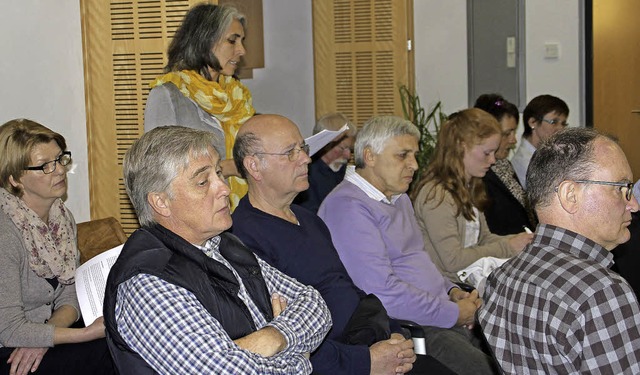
x,y
199,90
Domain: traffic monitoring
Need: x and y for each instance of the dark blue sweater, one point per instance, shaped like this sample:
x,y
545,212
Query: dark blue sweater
x,y
306,252
322,180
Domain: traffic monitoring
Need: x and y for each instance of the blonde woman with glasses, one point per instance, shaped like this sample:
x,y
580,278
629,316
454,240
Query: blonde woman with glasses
x,y
39,253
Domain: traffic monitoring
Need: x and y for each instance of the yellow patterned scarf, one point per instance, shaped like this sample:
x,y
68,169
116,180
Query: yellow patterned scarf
x,y
228,100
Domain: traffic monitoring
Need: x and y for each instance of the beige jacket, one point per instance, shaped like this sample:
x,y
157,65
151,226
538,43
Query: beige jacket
x,y
444,234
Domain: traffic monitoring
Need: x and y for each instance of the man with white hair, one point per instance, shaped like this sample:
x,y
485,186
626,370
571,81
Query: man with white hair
x,y
375,231
557,308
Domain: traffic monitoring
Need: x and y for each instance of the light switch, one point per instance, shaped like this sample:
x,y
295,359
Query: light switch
x,y
551,51
511,52
511,60
511,44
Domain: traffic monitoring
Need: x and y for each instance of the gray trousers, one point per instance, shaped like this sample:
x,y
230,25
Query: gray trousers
x,y
459,349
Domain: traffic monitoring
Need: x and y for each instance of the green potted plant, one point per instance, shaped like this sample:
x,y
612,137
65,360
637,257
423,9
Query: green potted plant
x,y
428,124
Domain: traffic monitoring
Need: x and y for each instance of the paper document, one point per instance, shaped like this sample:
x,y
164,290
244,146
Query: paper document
x,y
91,281
477,272
318,141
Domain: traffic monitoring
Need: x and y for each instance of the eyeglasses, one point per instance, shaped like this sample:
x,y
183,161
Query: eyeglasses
x,y
64,159
293,154
508,133
554,121
344,148
628,185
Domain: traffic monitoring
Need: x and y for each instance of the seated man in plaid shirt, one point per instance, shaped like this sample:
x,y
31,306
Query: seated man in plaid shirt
x,y
186,298
557,308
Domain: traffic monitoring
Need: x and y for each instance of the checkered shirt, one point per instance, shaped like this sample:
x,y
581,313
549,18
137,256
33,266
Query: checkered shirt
x,y
175,334
556,308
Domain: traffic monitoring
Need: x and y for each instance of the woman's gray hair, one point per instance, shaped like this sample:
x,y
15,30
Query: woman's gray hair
x,y
156,159
201,29
377,131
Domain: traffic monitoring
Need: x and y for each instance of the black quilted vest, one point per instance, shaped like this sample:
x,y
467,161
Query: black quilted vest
x,y
159,252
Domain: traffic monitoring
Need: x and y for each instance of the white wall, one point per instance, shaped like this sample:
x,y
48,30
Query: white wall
x,y
441,52
285,85
556,22
42,79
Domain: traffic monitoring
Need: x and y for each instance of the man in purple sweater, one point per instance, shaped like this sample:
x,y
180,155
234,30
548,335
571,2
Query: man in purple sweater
x,y
374,230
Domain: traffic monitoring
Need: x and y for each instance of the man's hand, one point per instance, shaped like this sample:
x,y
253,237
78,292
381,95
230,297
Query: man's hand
x,y
467,306
278,304
392,356
456,294
267,341
25,360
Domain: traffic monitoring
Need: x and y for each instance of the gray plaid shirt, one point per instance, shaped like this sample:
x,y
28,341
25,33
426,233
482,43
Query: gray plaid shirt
x,y
171,330
557,308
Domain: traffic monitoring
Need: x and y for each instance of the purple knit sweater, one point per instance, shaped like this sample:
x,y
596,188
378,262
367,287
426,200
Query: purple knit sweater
x,y
382,248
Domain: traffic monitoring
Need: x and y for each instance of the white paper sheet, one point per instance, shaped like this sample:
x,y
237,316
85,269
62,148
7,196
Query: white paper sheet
x,y
317,141
91,281
477,272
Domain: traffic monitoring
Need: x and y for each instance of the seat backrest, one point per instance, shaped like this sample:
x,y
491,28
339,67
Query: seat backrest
x,y
96,236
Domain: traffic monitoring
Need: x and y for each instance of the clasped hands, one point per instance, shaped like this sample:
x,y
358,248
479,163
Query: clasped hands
x,y
468,303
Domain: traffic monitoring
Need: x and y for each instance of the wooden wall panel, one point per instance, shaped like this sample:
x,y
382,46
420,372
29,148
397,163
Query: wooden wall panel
x,y
124,50
361,56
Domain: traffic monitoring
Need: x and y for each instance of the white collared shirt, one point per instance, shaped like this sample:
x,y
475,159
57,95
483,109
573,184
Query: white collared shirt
x,y
472,230
521,159
372,192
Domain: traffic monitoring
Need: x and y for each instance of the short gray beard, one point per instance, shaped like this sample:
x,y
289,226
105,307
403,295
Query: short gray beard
x,y
337,164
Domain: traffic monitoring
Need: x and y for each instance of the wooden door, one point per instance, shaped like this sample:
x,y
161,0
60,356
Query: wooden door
x,y
361,56
616,76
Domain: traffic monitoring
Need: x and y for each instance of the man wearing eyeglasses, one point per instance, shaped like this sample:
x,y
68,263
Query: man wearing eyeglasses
x,y
270,153
557,307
